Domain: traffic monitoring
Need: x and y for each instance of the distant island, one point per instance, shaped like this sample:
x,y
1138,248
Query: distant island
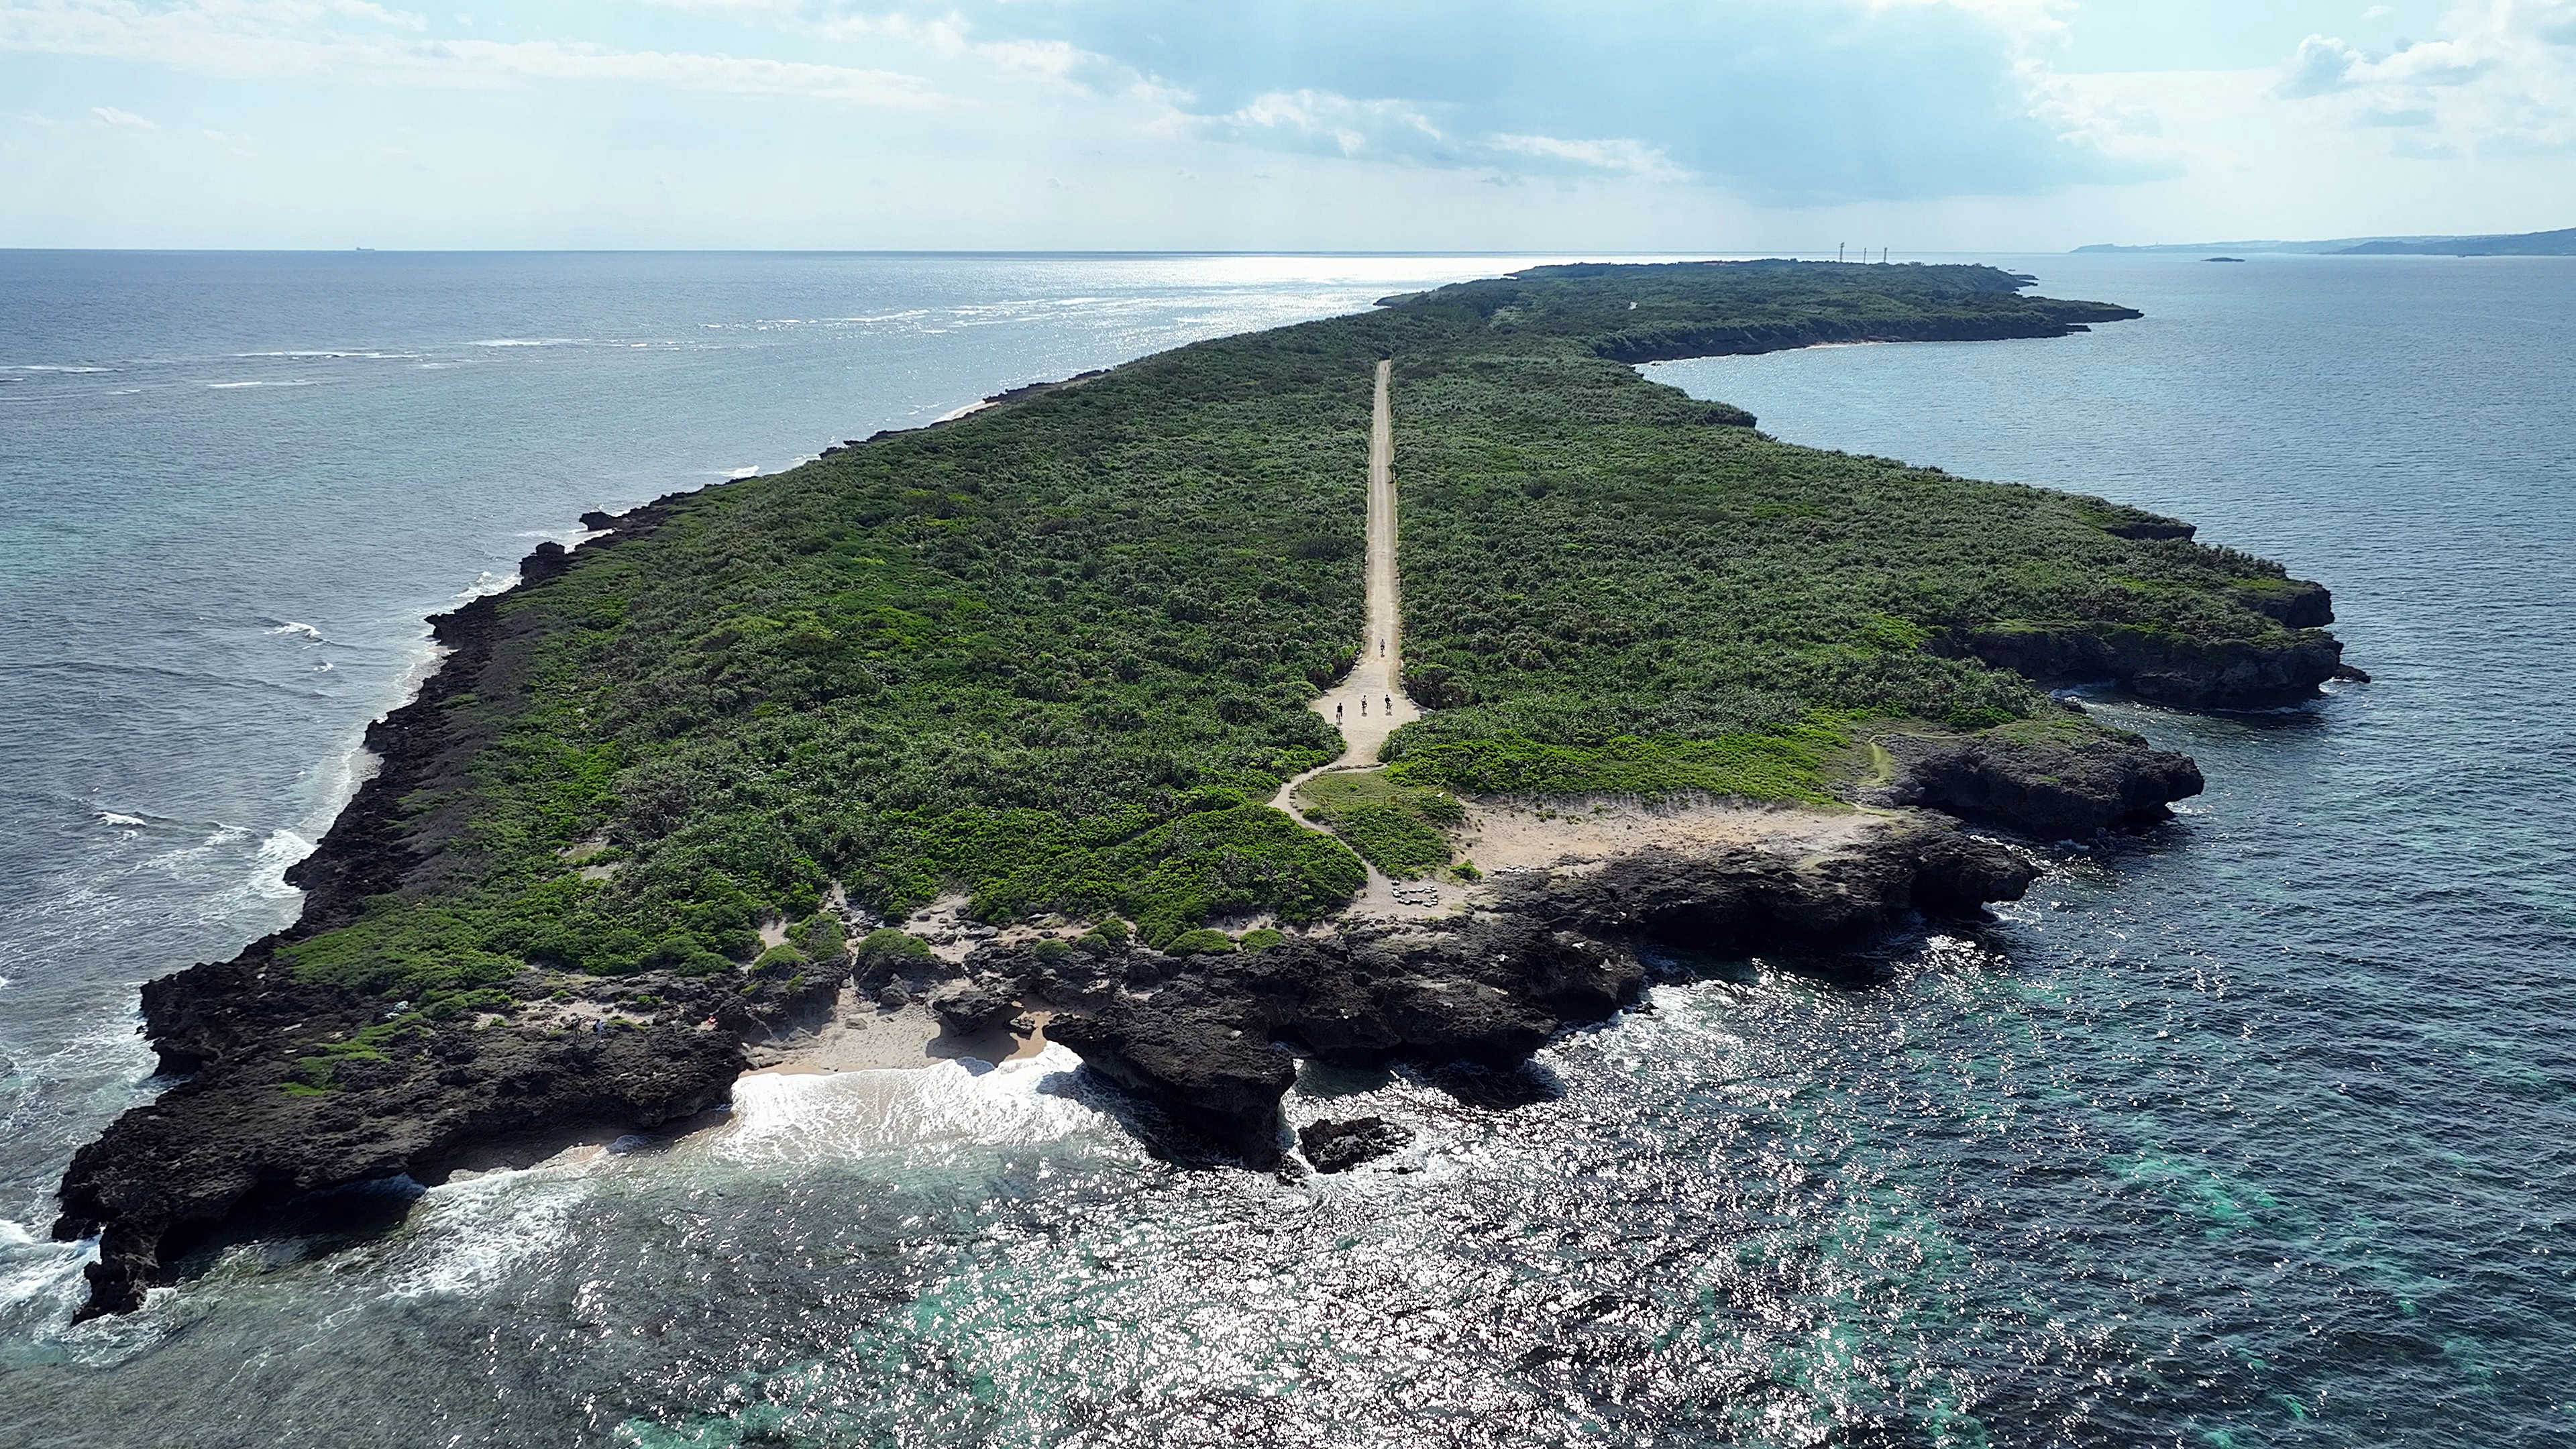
x,y
1069,719
2523,244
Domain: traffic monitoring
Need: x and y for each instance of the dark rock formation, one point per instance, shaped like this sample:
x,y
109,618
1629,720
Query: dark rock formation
x,y
236,1137
967,1007
1197,1051
2056,786
1210,1040
2297,603
2163,666
375,843
1211,1043
1341,1146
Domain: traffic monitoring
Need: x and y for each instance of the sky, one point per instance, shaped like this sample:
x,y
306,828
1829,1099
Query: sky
x,y
1706,126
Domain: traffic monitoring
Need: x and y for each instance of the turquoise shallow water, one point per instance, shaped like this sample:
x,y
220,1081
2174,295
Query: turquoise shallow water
x,y
2252,1131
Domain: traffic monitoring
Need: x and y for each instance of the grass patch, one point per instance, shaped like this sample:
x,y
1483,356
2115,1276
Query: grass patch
x,y
1397,825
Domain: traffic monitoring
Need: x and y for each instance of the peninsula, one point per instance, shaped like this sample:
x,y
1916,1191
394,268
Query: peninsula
x,y
1029,720
2558,243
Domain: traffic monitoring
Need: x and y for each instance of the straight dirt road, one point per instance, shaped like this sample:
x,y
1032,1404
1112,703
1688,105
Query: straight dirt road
x,y
1370,702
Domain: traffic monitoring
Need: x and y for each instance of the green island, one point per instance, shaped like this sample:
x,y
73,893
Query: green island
x,y
1056,655
1052,663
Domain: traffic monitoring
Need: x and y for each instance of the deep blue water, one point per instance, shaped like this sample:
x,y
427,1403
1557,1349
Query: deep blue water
x,y
2258,1130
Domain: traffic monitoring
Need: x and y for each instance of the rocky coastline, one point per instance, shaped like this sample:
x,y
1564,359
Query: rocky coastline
x,y
1671,344
283,1085
1207,1043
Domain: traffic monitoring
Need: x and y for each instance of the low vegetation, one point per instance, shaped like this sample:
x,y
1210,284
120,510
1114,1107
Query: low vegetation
x,y
1396,825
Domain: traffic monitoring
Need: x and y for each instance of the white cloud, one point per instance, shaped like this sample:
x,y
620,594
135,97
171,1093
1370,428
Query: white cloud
x,y
271,39
1386,128
2501,79
1632,158
1397,131
111,116
2322,66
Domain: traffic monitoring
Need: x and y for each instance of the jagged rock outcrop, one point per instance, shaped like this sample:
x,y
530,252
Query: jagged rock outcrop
x,y
1341,1146
1212,1043
2055,785
965,1008
2170,668
1210,1040
1200,1053
251,1129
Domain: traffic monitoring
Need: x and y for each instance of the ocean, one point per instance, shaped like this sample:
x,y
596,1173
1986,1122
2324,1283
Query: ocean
x,y
2251,1130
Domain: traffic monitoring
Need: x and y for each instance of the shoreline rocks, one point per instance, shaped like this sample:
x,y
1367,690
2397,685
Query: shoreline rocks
x,y
244,1134
1213,1045
1209,1041
2055,787
1341,1146
2165,667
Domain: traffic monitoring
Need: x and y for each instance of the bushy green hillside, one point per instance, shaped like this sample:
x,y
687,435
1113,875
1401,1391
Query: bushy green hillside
x,y
1609,588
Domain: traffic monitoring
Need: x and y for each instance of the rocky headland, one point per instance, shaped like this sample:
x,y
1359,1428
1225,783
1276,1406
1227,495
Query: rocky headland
x,y
686,801
1207,1042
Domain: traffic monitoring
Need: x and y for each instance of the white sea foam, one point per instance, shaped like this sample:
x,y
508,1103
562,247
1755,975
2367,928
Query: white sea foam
x,y
469,1235
335,356
288,382
122,821
292,627
49,367
281,849
486,582
752,471
40,1280
46,1271
840,1115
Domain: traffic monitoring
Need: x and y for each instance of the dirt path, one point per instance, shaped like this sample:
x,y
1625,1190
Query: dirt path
x,y
1376,683
1370,703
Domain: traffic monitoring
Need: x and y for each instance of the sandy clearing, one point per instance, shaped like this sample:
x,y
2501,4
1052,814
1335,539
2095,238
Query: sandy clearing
x,y
860,1037
1504,839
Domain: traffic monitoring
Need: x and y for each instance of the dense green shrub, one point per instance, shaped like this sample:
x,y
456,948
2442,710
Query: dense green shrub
x,y
821,936
892,949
